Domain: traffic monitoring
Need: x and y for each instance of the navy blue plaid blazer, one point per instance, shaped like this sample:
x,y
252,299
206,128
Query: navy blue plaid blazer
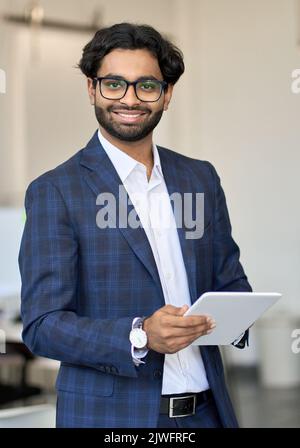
x,y
83,285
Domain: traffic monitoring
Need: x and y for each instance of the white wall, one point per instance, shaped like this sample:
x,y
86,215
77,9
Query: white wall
x,y
11,229
248,125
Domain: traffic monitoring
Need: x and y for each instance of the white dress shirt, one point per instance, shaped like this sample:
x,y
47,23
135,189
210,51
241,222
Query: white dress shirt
x,y
183,371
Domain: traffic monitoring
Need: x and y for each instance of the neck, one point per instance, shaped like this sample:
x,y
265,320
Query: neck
x,y
140,150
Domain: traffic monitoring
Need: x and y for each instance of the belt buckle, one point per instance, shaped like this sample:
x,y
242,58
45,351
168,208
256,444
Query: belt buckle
x,y
172,410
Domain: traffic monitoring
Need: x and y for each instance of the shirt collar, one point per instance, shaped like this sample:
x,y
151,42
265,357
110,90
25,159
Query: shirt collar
x,y
123,163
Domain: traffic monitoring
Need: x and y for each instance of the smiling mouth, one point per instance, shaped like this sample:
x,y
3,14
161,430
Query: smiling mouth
x,y
129,117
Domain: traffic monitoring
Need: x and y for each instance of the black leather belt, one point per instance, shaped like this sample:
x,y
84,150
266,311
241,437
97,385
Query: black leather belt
x,y
183,405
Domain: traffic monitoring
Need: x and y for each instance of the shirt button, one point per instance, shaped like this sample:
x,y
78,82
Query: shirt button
x,y
168,275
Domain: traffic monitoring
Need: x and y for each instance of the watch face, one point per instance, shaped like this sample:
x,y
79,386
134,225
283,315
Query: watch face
x,y
138,338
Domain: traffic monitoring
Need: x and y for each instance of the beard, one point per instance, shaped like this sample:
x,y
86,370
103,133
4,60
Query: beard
x,y
127,132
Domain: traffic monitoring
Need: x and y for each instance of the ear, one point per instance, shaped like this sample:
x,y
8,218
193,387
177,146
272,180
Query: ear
x,y
168,96
91,91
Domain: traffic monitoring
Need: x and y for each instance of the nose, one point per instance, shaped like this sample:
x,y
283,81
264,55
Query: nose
x,y
130,99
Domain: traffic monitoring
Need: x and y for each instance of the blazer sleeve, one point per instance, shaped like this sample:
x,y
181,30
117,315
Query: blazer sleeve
x,y
228,273
48,262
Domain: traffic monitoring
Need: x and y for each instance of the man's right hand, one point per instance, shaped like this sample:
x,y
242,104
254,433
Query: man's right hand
x,y
169,331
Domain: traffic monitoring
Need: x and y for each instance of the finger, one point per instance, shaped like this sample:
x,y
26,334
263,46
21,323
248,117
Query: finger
x,y
190,321
193,332
188,340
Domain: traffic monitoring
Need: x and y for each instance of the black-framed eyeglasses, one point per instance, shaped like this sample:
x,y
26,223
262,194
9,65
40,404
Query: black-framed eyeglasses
x,y
146,90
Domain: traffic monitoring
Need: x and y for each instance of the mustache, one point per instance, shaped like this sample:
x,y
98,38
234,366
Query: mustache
x,y
119,109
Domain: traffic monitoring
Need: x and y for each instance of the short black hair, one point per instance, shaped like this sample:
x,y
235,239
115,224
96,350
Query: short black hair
x,y
132,37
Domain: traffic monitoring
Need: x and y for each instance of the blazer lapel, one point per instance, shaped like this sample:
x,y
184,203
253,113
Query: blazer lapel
x,y
102,177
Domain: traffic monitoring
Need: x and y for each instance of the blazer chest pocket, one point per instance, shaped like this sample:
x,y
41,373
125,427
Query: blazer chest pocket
x,y
84,380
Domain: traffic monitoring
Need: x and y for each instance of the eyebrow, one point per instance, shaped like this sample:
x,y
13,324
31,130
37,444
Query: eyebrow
x,y
141,78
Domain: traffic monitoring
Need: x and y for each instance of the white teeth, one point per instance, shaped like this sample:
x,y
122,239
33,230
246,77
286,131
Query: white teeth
x,y
129,115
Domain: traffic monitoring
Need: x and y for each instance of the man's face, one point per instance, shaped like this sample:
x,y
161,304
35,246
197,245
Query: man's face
x,y
129,119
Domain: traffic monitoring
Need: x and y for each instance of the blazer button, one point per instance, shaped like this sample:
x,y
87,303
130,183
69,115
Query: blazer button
x,y
157,374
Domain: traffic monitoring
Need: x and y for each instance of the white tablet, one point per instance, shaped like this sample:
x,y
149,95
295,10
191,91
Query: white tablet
x,y
234,313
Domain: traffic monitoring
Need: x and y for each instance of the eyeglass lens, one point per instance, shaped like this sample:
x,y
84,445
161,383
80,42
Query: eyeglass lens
x,y
114,89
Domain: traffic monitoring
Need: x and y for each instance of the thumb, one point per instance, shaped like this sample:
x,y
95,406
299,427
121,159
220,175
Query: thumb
x,y
175,310
182,310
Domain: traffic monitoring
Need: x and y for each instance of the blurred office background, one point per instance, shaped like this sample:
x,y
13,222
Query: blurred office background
x,y
236,106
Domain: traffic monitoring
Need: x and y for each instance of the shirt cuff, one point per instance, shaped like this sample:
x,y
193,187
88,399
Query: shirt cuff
x,y
137,354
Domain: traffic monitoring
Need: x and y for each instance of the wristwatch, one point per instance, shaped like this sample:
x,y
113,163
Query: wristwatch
x,y
138,336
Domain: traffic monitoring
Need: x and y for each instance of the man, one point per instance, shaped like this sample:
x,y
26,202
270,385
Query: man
x,y
107,297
